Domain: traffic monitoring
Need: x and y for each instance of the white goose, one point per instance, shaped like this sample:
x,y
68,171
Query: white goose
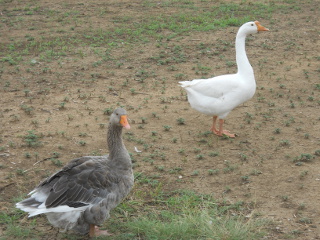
x,y
217,96
81,195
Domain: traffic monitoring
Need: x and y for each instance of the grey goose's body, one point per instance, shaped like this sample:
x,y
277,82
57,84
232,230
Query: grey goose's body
x,y
81,195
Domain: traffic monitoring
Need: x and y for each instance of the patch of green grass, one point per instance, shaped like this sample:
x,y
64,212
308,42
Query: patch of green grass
x,y
13,229
185,215
17,232
151,27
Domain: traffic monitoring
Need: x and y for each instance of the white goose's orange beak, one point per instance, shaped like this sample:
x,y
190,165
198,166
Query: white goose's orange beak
x,y
124,121
260,27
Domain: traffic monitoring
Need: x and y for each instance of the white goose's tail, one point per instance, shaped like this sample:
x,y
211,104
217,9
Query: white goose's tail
x,y
184,84
188,84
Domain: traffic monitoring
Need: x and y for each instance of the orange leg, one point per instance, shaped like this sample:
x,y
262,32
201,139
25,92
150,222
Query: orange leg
x,y
95,231
224,132
213,128
220,132
91,230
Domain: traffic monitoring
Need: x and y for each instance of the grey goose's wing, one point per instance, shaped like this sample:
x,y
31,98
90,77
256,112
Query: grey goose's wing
x,y
82,182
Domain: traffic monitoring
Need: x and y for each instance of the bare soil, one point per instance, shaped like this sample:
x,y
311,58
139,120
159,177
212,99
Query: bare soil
x,y
273,163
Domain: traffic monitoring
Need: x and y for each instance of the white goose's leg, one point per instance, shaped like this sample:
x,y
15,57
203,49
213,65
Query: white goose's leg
x,y
224,132
213,128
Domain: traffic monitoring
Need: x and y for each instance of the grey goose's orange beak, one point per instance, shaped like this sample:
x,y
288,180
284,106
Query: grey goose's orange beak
x,y
124,121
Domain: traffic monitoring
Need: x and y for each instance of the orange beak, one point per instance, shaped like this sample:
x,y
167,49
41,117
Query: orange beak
x,y
124,122
260,27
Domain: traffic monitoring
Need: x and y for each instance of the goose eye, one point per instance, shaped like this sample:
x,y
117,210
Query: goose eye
x,y
252,24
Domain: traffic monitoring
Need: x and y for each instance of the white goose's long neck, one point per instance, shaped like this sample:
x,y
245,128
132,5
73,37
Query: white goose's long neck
x,y
244,66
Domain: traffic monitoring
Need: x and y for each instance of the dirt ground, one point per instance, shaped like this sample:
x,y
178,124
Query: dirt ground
x,y
273,163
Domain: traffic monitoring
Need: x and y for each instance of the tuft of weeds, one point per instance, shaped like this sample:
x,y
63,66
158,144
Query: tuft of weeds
x,y
62,105
20,172
108,111
255,172
229,167
245,178
305,220
284,143
199,157
243,157
195,173
213,154
167,127
32,139
277,131
56,162
181,121
303,174
182,151
27,109
304,157
213,171
174,140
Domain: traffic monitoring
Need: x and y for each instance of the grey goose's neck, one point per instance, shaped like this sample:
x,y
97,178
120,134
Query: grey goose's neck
x,y
115,143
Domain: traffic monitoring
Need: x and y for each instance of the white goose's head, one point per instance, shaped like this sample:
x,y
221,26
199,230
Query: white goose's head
x,y
252,27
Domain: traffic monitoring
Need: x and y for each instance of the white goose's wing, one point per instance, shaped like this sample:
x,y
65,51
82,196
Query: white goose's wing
x,y
213,87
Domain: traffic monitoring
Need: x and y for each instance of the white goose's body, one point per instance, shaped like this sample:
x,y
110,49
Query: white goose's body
x,y
210,99
217,96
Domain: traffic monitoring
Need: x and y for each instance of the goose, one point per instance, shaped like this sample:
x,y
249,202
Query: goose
x,y
80,196
218,96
